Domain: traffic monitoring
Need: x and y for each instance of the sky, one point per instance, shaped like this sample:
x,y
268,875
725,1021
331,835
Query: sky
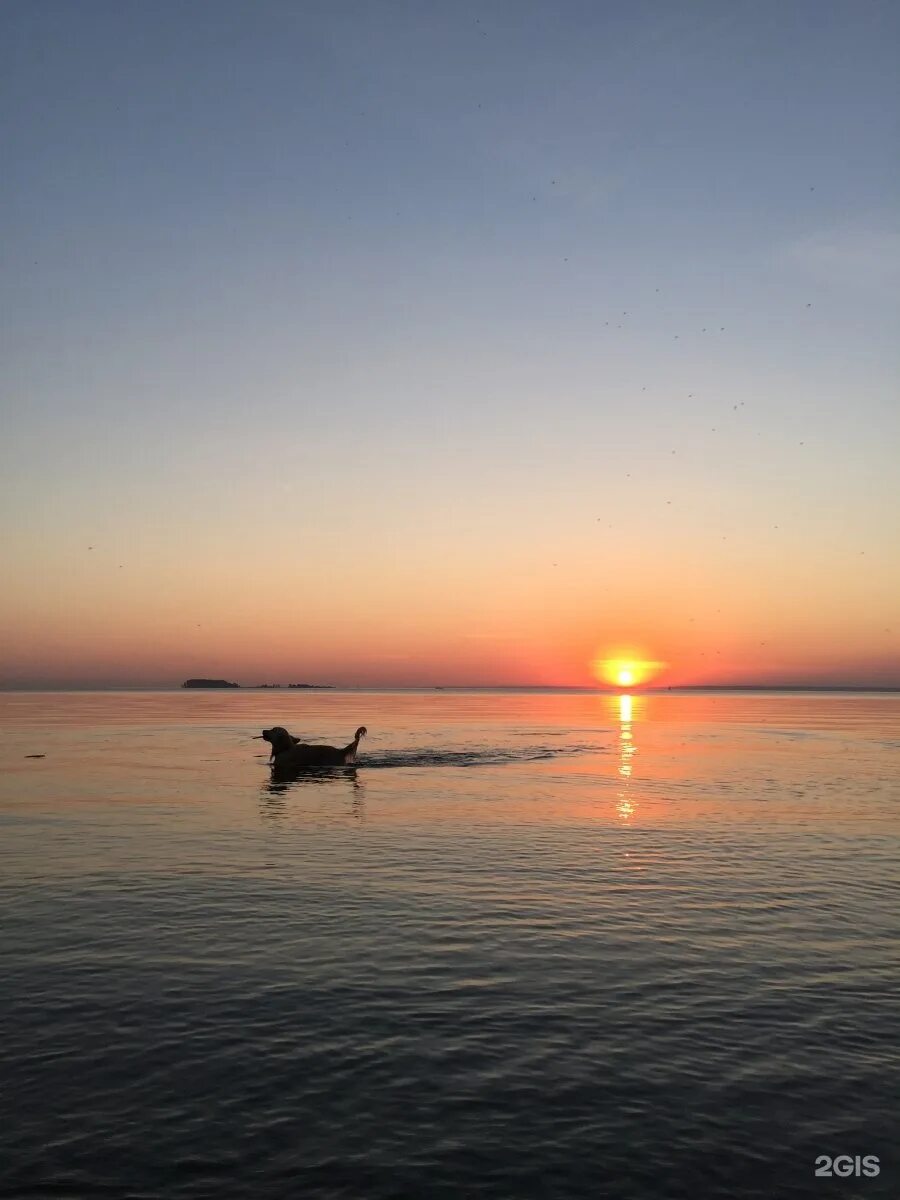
x,y
386,343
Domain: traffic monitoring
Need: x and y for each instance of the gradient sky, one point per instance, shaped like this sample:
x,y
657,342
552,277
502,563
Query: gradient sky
x,y
450,343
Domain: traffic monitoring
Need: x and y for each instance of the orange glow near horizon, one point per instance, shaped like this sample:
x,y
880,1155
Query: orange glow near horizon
x,y
120,615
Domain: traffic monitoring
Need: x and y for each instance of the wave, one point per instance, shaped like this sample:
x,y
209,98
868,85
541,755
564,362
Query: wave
x,y
487,757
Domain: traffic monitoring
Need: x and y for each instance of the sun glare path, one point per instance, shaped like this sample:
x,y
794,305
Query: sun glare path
x,y
627,749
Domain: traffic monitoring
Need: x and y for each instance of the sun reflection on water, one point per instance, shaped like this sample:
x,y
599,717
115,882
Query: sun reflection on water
x,y
625,807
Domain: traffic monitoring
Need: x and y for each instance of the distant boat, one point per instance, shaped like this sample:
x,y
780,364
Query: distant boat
x,y
209,683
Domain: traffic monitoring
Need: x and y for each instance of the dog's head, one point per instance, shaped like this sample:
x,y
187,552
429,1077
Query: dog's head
x,y
278,738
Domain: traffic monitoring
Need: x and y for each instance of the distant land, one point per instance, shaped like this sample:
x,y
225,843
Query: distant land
x,y
314,686
224,683
209,683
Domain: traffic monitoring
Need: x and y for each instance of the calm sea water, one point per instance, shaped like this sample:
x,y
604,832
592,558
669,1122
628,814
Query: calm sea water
x,y
537,945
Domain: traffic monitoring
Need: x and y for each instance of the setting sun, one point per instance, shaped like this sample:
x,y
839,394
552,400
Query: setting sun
x,y
625,671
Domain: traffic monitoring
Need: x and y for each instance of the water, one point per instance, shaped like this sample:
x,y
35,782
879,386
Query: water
x,y
537,945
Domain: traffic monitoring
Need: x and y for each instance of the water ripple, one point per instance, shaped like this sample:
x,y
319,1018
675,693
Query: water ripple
x,y
547,980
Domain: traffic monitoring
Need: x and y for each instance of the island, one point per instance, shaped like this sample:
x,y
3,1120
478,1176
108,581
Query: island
x,y
314,686
209,683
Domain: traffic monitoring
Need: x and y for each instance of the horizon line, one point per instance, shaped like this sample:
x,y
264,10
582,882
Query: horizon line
x,y
463,687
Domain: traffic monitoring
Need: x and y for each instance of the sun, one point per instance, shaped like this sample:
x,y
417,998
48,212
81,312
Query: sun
x,y
625,670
